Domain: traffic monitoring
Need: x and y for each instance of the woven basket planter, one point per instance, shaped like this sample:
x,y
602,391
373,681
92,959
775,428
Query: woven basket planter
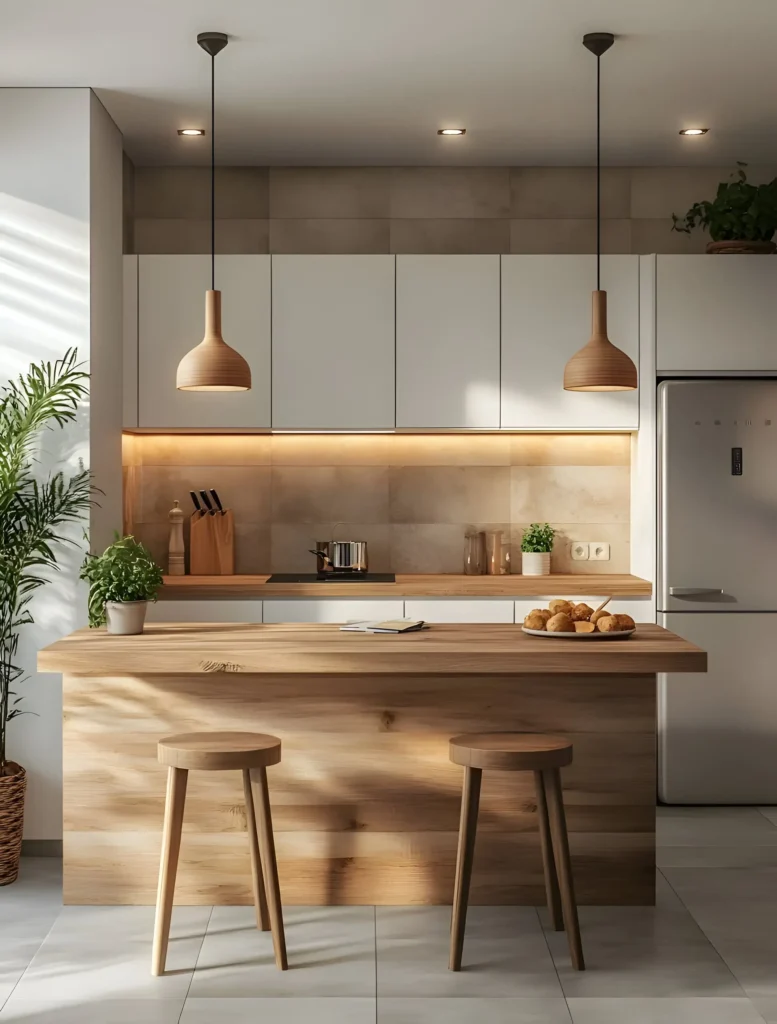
x,y
12,786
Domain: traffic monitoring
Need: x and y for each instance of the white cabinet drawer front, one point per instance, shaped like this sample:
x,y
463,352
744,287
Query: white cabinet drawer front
x,y
331,610
448,342
333,342
456,610
546,318
171,320
205,611
716,314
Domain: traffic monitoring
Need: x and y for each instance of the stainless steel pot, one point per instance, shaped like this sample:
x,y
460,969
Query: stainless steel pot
x,y
341,555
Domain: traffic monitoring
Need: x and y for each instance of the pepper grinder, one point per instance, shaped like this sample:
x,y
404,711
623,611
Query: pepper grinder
x,y
175,551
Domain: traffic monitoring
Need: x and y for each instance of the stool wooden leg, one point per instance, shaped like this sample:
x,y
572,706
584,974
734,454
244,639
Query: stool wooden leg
x,y
171,845
260,897
558,827
549,868
270,867
470,802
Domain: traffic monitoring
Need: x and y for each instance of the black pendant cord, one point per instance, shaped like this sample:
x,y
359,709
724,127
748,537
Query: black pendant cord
x,y
213,172
598,173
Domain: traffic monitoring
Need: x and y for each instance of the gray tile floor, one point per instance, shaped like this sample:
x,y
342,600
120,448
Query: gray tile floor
x,y
707,954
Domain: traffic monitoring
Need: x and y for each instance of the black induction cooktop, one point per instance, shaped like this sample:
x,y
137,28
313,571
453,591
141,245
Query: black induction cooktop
x,y
332,577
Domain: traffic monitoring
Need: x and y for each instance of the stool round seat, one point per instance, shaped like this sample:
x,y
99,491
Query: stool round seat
x,y
511,751
219,751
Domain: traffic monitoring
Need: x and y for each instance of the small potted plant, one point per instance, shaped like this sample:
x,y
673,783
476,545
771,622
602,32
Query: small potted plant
x,y
122,580
742,218
536,546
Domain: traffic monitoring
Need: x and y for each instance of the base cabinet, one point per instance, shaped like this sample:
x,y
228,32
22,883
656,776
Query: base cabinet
x,y
331,610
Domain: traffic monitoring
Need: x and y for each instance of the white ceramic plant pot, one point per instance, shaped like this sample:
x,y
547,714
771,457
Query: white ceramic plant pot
x,y
125,618
535,563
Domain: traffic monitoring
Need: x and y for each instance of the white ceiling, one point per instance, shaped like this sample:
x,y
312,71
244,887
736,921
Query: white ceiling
x,y
369,81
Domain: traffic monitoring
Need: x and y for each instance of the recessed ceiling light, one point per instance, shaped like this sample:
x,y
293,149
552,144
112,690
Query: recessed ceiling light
x,y
451,131
191,131
694,131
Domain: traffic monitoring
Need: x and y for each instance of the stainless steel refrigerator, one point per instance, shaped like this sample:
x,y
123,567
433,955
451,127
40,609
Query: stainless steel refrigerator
x,y
717,586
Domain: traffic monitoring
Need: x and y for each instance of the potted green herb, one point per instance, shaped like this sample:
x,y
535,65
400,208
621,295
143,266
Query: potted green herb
x,y
122,580
742,218
536,546
35,513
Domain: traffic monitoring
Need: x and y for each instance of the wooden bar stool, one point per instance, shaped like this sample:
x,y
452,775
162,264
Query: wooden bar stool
x,y
251,753
517,752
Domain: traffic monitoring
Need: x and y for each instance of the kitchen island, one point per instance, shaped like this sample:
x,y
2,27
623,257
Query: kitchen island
x,y
365,800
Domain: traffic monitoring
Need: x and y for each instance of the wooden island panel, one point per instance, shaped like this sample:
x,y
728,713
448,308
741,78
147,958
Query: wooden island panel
x,y
365,800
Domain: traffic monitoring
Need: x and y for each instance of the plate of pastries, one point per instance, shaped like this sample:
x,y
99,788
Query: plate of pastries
x,y
578,621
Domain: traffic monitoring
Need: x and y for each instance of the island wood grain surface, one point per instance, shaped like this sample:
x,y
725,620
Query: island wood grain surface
x,y
324,649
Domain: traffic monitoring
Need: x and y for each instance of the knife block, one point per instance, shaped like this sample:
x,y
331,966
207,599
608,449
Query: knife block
x,y
212,544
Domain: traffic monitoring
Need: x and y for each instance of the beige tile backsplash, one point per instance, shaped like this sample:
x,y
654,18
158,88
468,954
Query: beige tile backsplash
x,y
415,209
411,497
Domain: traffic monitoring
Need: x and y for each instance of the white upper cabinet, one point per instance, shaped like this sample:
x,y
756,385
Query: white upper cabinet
x,y
171,320
448,342
130,342
333,342
716,314
546,318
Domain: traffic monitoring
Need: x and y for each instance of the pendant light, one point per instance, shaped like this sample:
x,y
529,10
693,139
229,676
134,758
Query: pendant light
x,y
213,365
599,365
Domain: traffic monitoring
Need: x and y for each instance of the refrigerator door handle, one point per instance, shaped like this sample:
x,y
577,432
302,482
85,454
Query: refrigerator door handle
x,y
692,591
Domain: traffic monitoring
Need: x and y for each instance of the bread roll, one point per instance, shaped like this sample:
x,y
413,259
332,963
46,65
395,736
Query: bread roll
x,y
581,626
544,612
625,621
560,604
534,621
581,613
560,623
608,624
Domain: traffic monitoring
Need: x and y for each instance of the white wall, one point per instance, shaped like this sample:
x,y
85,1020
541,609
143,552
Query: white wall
x,y
57,153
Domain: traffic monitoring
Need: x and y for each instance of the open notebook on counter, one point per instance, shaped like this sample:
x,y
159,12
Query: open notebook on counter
x,y
387,626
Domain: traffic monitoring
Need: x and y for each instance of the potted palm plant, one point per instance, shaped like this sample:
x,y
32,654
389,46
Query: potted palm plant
x,y
122,580
742,218
33,515
536,546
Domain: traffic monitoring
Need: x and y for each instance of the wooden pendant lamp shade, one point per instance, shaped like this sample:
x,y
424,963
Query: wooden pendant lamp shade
x,y
599,365
213,365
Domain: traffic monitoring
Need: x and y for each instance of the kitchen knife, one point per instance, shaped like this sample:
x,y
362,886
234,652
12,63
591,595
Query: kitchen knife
x,y
207,502
196,503
217,500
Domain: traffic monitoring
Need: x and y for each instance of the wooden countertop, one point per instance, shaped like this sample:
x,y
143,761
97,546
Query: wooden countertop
x,y
557,585
322,649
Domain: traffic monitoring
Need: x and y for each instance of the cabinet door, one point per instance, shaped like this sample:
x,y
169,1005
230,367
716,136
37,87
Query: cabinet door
x,y
171,320
456,610
716,314
130,342
448,342
331,609
546,318
333,342
205,611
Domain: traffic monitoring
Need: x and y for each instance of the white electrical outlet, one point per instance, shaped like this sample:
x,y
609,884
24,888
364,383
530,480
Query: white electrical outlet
x,y
600,552
580,551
